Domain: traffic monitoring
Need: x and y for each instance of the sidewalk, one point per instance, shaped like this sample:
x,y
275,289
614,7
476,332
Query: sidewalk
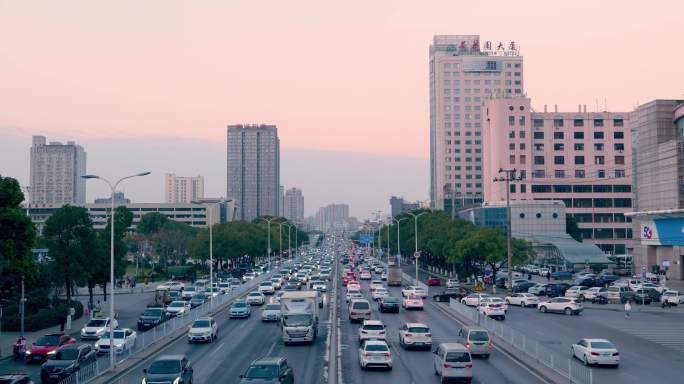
x,y
139,288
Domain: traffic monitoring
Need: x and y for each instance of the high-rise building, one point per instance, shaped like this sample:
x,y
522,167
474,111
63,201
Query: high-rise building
x,y
183,189
463,71
281,201
581,158
294,205
253,170
56,171
332,216
658,177
398,206
119,198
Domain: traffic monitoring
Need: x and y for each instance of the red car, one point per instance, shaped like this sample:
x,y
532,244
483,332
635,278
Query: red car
x,y
38,351
433,282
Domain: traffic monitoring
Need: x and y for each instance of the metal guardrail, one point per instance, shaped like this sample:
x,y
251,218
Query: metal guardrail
x,y
561,364
144,340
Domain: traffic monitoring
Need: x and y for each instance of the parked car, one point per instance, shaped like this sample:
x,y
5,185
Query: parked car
x,y
433,282
642,296
523,287
588,282
558,289
522,299
451,293
567,305
561,275
452,283
596,351
672,297
576,291
595,294
539,289
608,279
473,299
169,369
66,361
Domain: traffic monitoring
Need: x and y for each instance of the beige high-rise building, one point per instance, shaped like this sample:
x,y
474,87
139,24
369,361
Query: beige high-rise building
x,y
183,189
56,171
294,205
463,71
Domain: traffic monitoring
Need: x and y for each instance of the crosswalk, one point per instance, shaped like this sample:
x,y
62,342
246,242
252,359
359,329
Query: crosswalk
x,y
663,334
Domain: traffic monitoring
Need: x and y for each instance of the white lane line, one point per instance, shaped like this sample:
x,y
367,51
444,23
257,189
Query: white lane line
x,y
219,347
270,350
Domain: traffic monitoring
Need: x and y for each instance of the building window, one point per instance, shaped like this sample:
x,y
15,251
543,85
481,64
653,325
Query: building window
x,y
598,135
580,188
521,134
599,160
539,160
558,160
618,123
511,159
541,188
559,173
618,135
560,188
558,135
620,160
538,123
539,174
598,122
511,146
523,159
521,120
601,174
523,188
619,147
511,135
559,147
598,147
579,147
619,173
579,135
539,147
512,186
558,123
578,123
522,146
603,203
579,173
622,188
579,160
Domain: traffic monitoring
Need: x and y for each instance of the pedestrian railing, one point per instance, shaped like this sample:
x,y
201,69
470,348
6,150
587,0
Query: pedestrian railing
x,y
561,364
144,340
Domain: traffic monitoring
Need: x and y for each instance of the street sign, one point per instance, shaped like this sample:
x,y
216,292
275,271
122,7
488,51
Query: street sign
x,y
416,254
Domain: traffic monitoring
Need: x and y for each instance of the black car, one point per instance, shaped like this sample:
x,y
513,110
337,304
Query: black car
x,y
65,362
169,369
642,296
557,289
388,304
268,370
152,317
198,300
501,281
451,293
588,282
608,279
523,287
15,378
291,286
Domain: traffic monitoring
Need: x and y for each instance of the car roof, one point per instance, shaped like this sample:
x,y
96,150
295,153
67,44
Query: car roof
x,y
416,325
597,340
170,357
375,342
453,346
372,322
276,360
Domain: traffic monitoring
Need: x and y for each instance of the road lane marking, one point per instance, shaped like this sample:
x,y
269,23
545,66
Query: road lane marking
x,y
270,350
219,347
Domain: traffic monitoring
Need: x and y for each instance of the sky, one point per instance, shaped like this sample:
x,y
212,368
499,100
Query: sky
x,y
345,82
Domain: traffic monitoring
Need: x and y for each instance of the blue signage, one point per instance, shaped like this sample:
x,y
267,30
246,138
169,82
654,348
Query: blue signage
x,y
366,238
670,231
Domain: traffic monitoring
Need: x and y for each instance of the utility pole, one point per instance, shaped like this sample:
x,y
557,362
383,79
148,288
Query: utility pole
x,y
388,242
416,255
23,301
510,176
398,241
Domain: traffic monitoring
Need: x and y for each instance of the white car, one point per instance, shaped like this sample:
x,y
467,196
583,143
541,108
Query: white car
x,y
672,297
266,287
379,294
453,283
473,300
415,335
495,300
319,285
352,291
372,329
522,299
178,308
96,327
375,353
171,286
365,275
567,305
124,339
189,292
203,329
596,351
375,284
353,295
413,302
255,298
593,293
544,271
225,287
576,291
383,276
413,290
493,310
277,282
248,276
271,312
538,289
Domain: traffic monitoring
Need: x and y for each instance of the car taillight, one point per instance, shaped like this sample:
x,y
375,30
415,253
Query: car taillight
x,y
382,332
428,335
469,365
616,354
409,334
595,354
366,354
490,346
362,331
467,345
387,354
447,365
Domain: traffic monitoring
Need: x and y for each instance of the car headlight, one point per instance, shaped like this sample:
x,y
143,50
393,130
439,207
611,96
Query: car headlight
x,y
52,352
144,381
28,352
177,381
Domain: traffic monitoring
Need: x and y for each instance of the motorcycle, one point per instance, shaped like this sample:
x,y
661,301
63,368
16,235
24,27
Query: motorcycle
x,y
19,348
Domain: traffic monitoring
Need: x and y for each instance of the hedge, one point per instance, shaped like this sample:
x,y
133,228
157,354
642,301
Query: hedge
x,y
41,319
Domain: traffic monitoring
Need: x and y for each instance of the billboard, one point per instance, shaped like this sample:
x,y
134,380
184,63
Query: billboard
x,y
662,232
366,238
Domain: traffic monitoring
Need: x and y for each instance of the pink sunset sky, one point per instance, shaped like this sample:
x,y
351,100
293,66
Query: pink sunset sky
x,y
334,76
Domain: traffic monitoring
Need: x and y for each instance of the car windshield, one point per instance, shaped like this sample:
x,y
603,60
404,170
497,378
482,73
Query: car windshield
x,y
65,354
602,345
117,335
297,320
360,305
152,312
272,307
376,348
457,357
201,324
190,289
255,294
164,367
96,323
50,340
200,296
240,304
373,327
262,372
418,330
177,304
479,336
390,300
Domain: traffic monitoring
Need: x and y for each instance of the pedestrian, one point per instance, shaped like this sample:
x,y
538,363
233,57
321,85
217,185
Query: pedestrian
x,y
548,276
529,276
628,309
62,320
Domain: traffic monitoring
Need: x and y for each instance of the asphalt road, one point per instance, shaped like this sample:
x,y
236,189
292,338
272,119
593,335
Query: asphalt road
x,y
415,366
240,341
128,308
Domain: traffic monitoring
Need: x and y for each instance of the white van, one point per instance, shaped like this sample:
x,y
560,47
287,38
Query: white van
x,y
453,361
359,310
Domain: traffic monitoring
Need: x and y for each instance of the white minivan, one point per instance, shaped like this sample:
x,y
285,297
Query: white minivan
x,y
453,361
359,310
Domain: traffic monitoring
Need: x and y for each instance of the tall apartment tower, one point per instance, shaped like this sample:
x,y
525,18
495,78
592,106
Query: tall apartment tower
x,y
463,72
56,171
294,205
183,189
281,201
253,170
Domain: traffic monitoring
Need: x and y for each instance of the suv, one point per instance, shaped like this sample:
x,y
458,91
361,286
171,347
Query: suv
x,y
96,327
268,370
203,329
415,335
152,317
567,305
372,330
169,369
66,361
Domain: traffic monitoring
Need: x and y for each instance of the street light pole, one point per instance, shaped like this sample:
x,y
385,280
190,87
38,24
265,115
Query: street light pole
x,y
210,218
112,360
398,241
510,176
388,242
415,229
280,234
268,250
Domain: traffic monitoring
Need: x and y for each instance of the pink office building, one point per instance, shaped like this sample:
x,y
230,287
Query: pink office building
x,y
581,158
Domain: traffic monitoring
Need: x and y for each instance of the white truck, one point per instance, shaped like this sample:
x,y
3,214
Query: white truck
x,y
299,316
